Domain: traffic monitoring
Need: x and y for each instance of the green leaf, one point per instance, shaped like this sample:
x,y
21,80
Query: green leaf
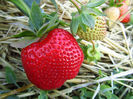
x,y
36,19
106,90
96,3
12,97
111,2
75,23
25,34
84,48
43,95
98,12
29,2
131,19
53,1
10,76
53,23
88,20
83,26
22,6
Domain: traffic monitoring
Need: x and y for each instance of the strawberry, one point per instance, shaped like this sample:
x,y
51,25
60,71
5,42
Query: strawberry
x,y
98,33
124,1
123,10
50,62
113,14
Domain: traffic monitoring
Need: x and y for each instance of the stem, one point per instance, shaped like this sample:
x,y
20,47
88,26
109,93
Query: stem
x,y
76,5
15,91
93,46
79,2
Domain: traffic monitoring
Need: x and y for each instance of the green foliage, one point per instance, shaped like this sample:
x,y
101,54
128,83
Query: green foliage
x,y
84,94
85,17
25,33
131,19
96,3
52,23
53,1
84,49
43,95
93,55
39,21
129,95
12,97
75,22
88,20
29,2
21,6
106,91
35,19
10,76
90,54
116,3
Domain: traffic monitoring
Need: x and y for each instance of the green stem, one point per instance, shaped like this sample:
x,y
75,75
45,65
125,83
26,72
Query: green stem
x,y
93,44
79,2
75,4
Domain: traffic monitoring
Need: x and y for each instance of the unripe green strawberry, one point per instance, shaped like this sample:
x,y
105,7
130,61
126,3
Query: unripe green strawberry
x,y
98,33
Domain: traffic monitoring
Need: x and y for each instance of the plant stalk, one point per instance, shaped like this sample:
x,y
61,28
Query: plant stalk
x,y
76,5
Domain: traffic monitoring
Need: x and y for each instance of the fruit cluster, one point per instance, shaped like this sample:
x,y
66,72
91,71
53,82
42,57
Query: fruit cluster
x,y
117,12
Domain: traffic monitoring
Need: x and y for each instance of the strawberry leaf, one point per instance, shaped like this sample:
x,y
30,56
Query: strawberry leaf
x,y
98,12
53,23
96,3
75,23
53,1
36,19
12,97
10,76
22,6
88,20
25,34
83,26
43,95
29,2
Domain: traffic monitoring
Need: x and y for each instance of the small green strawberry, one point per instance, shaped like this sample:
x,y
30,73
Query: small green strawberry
x,y
89,23
96,33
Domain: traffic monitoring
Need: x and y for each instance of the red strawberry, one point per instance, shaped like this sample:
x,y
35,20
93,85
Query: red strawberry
x,y
50,62
125,1
123,10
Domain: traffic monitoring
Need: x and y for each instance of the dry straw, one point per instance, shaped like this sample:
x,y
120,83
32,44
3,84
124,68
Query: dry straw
x,y
117,50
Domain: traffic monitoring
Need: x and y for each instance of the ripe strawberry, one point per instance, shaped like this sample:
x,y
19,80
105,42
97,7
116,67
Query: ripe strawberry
x,y
98,33
50,62
125,1
123,10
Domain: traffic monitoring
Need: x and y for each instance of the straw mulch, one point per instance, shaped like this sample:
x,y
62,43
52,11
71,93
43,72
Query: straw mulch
x,y
116,49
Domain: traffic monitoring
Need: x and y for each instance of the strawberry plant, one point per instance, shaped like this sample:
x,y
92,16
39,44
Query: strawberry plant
x,y
49,54
123,9
56,56
89,24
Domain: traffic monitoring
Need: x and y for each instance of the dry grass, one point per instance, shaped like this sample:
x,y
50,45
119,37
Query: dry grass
x,y
117,50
